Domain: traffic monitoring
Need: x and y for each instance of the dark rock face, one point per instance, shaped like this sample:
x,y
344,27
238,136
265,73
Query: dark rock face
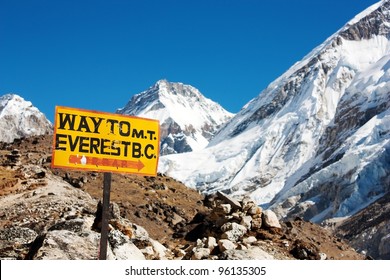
x,y
348,119
173,138
368,230
370,25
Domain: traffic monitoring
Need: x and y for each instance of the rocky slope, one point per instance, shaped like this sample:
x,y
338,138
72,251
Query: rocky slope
x,y
368,230
52,214
188,120
19,118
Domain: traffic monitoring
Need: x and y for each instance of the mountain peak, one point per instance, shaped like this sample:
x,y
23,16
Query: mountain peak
x,y
315,142
188,119
162,83
167,88
19,118
11,97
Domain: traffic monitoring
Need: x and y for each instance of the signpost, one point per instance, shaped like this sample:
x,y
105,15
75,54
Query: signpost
x,y
104,142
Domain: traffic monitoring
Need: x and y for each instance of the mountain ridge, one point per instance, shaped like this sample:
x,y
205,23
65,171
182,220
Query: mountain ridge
x,y
188,120
311,127
19,118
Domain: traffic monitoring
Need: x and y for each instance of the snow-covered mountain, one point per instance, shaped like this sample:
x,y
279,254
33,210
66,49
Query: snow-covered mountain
x,y
19,118
316,141
188,120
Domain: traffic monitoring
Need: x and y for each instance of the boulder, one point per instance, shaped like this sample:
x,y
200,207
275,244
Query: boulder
x,y
15,242
257,222
253,253
122,248
233,231
255,210
230,200
68,245
249,240
246,221
226,208
270,220
200,253
225,244
211,242
160,251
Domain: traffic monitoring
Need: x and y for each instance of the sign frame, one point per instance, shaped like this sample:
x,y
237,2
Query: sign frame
x,y
138,159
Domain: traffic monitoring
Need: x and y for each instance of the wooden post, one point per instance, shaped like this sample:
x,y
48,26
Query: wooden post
x,y
105,214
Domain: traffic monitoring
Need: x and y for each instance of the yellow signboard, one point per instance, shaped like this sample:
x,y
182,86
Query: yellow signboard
x,y
106,142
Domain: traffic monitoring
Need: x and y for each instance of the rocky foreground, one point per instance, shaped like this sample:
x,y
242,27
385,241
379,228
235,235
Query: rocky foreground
x,y
53,214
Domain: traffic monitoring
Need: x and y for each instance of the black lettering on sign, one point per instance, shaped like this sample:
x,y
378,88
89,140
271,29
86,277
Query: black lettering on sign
x,y
151,134
101,146
94,147
126,145
147,155
104,147
60,141
73,144
84,145
138,134
68,119
112,123
83,124
136,151
96,123
68,122
124,128
115,148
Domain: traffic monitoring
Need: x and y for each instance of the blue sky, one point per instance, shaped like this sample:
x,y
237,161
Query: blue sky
x,y
95,54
